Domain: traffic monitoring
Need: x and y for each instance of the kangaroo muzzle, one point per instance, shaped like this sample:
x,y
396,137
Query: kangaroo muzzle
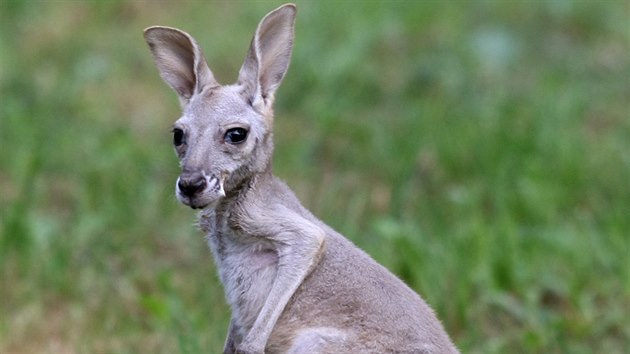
x,y
199,190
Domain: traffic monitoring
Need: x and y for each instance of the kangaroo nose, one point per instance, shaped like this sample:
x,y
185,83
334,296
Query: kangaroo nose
x,y
189,185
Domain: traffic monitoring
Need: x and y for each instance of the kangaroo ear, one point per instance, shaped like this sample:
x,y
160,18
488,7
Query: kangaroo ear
x,y
180,61
269,54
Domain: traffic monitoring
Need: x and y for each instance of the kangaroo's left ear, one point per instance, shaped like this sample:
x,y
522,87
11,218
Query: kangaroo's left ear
x,y
269,55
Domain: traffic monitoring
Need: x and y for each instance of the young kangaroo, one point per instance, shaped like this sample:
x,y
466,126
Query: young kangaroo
x,y
294,284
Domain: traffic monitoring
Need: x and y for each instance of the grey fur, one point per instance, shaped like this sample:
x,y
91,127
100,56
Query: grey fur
x,y
294,284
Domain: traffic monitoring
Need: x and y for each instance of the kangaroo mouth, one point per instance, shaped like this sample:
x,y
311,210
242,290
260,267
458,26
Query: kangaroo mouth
x,y
206,190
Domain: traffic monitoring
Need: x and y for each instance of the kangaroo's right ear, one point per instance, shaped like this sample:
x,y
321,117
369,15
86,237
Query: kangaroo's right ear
x,y
180,61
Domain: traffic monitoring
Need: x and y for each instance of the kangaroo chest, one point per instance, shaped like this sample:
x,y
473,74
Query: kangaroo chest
x,y
247,267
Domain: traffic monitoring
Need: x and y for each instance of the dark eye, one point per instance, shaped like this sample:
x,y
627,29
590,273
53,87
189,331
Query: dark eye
x,y
178,137
235,136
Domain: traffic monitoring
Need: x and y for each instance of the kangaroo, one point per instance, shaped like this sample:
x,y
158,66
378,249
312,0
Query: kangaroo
x,y
294,285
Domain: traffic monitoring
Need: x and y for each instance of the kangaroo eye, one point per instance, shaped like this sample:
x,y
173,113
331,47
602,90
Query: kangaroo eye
x,y
235,136
178,137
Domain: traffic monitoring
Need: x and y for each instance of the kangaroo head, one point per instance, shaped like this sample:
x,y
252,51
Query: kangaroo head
x,y
224,136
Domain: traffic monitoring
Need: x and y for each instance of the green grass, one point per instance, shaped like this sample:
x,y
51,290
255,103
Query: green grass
x,y
480,150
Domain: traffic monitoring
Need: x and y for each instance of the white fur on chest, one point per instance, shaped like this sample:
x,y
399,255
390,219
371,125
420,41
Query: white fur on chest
x,y
247,266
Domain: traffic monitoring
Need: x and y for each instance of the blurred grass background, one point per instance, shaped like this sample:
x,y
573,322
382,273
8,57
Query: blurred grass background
x,y
478,149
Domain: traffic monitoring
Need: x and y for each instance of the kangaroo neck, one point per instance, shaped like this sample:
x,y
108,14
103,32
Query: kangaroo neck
x,y
245,189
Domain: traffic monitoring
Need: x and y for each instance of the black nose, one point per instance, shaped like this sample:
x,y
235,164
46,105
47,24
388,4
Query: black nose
x,y
191,184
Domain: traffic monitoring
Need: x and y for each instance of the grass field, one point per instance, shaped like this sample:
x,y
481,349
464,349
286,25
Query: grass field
x,y
478,149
